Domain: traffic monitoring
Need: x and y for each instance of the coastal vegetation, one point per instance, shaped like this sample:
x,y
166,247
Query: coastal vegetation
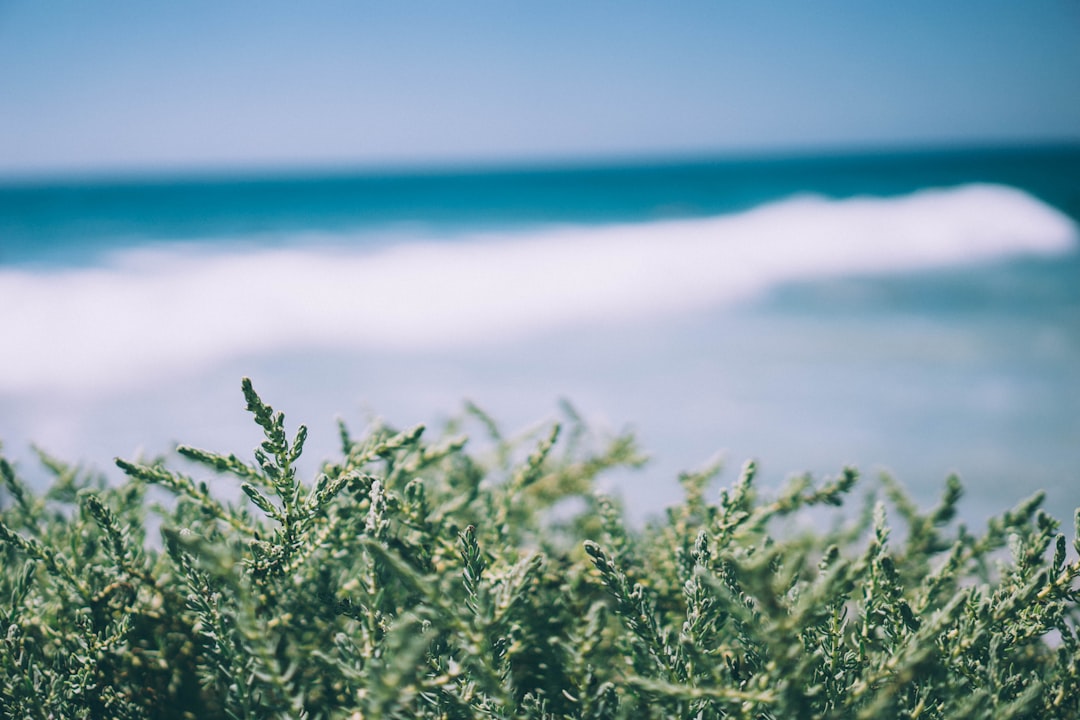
x,y
420,577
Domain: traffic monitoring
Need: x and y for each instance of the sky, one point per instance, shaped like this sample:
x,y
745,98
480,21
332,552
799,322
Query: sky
x,y
130,86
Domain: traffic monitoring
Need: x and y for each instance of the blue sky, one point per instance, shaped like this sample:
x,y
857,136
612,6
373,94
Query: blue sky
x,y
130,85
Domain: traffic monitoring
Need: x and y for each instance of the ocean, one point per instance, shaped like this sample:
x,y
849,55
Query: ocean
x,y
915,313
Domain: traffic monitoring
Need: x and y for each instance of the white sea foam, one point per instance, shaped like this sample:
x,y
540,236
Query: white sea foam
x,y
151,313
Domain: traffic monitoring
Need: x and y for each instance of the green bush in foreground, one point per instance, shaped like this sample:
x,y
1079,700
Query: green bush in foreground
x,y
417,580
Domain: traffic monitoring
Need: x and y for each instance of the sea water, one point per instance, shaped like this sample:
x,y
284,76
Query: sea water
x,y
917,313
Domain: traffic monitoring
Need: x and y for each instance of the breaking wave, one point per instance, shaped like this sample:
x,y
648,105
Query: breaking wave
x,y
152,311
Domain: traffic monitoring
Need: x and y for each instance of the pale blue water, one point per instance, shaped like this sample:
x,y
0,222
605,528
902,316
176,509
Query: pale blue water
x,y
926,368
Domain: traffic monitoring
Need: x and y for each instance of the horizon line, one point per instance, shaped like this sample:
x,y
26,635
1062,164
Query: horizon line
x,y
271,170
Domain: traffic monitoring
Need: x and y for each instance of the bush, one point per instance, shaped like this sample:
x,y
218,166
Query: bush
x,y
414,579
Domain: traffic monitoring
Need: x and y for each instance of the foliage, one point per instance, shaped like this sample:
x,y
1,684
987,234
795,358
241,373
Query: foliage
x,y
416,579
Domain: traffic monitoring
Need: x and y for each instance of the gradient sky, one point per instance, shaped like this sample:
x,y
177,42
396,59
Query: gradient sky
x,y
131,85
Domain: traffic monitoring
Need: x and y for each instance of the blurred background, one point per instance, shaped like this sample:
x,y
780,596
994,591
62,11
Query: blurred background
x,y
812,234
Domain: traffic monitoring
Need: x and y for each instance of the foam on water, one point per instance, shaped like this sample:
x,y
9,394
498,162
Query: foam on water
x,y
147,313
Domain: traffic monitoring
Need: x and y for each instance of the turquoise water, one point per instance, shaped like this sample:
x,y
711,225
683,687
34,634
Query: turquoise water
x,y
913,312
75,221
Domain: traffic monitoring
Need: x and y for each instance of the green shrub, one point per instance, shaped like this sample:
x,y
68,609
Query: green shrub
x,y
418,580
